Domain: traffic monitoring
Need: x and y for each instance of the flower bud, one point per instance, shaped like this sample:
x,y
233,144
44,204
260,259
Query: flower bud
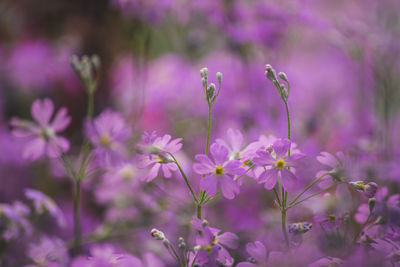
x,y
96,61
358,185
181,243
204,82
270,72
204,223
370,189
300,227
283,76
204,72
219,77
371,204
157,234
210,91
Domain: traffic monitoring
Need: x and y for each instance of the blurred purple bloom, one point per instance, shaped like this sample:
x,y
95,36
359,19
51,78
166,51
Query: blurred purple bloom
x,y
108,133
156,151
258,255
105,256
48,252
42,134
14,220
211,245
277,163
43,204
219,170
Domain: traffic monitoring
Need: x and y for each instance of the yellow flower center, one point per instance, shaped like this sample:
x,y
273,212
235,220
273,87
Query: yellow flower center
x,y
332,217
159,159
105,140
280,164
219,170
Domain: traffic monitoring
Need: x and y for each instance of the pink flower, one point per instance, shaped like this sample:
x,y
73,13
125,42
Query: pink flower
x,y
42,134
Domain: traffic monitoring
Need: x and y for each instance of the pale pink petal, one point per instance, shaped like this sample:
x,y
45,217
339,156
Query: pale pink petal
x,y
269,178
209,184
219,153
229,187
34,149
228,239
281,147
288,180
42,110
61,120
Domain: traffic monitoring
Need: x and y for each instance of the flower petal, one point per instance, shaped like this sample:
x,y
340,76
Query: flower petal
x,y
288,180
228,239
209,183
219,153
61,120
34,149
269,178
42,110
281,147
229,187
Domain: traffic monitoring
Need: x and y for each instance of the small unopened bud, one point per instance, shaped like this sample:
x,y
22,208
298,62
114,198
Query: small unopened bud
x,y
283,76
270,72
181,243
75,63
96,61
158,235
370,189
219,77
358,185
371,204
166,243
204,72
204,223
210,91
204,82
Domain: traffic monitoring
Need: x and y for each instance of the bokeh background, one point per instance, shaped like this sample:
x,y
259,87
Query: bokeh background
x,y
341,57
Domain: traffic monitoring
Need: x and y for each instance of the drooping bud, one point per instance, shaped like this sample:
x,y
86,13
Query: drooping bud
x,y
358,185
210,92
370,189
283,76
87,70
371,204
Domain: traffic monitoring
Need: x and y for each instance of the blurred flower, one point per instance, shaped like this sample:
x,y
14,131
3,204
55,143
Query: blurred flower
x,y
258,255
108,132
43,204
14,220
48,252
211,245
157,150
219,170
42,134
278,163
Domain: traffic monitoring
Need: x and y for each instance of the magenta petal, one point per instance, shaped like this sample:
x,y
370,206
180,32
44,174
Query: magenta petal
x,y
34,149
152,173
257,251
228,239
202,169
56,146
263,158
327,159
42,111
209,183
205,160
219,153
269,178
61,120
229,187
288,180
281,147
235,138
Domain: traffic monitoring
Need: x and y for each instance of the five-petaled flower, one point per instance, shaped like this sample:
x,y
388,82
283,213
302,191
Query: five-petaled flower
x,y
42,134
157,152
219,169
277,163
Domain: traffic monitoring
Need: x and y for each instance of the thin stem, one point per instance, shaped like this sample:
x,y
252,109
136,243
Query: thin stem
x,y
184,177
283,212
277,198
248,169
362,227
288,121
202,195
90,107
308,187
313,195
77,218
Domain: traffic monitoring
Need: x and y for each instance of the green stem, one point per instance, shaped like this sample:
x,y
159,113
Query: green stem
x,y
288,121
184,177
77,219
284,228
248,169
277,198
203,193
362,227
313,195
90,107
308,187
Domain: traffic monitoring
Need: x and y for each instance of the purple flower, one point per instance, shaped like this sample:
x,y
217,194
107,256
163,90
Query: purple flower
x,y
219,170
277,163
157,152
108,133
42,134
48,252
14,220
105,256
258,255
211,245
43,204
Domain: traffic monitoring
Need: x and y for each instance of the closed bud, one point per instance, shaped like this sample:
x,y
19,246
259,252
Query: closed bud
x,y
166,243
181,243
299,228
204,73
283,76
75,63
204,223
270,72
210,91
371,204
204,82
157,234
219,77
96,61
